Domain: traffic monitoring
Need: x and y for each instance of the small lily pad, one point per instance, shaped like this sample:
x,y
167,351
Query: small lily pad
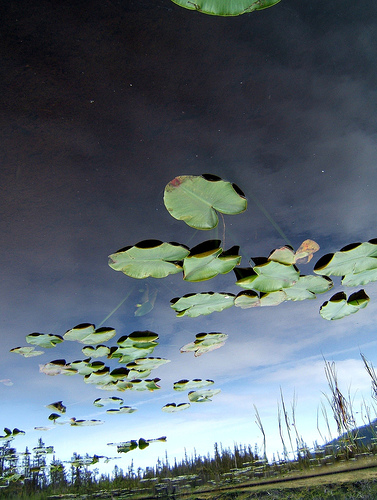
x,y
122,409
149,258
203,395
358,279
27,351
45,340
205,342
58,406
207,260
148,363
100,402
96,352
196,304
268,276
84,423
57,367
196,383
86,333
173,407
339,306
306,287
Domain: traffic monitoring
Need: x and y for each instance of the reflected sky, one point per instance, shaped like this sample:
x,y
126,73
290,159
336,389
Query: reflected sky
x,y
103,103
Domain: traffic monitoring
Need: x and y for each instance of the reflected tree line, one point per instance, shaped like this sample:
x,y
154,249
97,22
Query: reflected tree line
x,y
32,474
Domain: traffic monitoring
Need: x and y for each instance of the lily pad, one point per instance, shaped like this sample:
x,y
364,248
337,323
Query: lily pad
x,y
27,351
84,423
96,352
45,340
149,258
146,384
136,345
195,199
203,395
196,383
53,417
86,333
122,409
205,342
268,276
358,279
99,377
196,304
58,406
82,366
147,363
127,446
249,298
100,402
226,7
207,260
57,367
306,287
286,255
351,259
173,407
339,306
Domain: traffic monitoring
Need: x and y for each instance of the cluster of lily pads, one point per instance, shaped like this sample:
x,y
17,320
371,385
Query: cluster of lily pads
x,y
133,352
269,281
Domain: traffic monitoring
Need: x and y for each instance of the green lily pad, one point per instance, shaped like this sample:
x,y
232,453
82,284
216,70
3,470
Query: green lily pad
x,y
138,372
84,423
82,366
45,340
99,377
58,406
358,279
146,384
173,407
127,446
195,199
226,7
196,383
339,306
136,345
205,342
286,255
122,409
27,351
207,260
86,333
249,298
196,304
57,367
96,352
147,363
203,395
100,402
351,259
269,276
306,287
149,258
9,434
54,416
